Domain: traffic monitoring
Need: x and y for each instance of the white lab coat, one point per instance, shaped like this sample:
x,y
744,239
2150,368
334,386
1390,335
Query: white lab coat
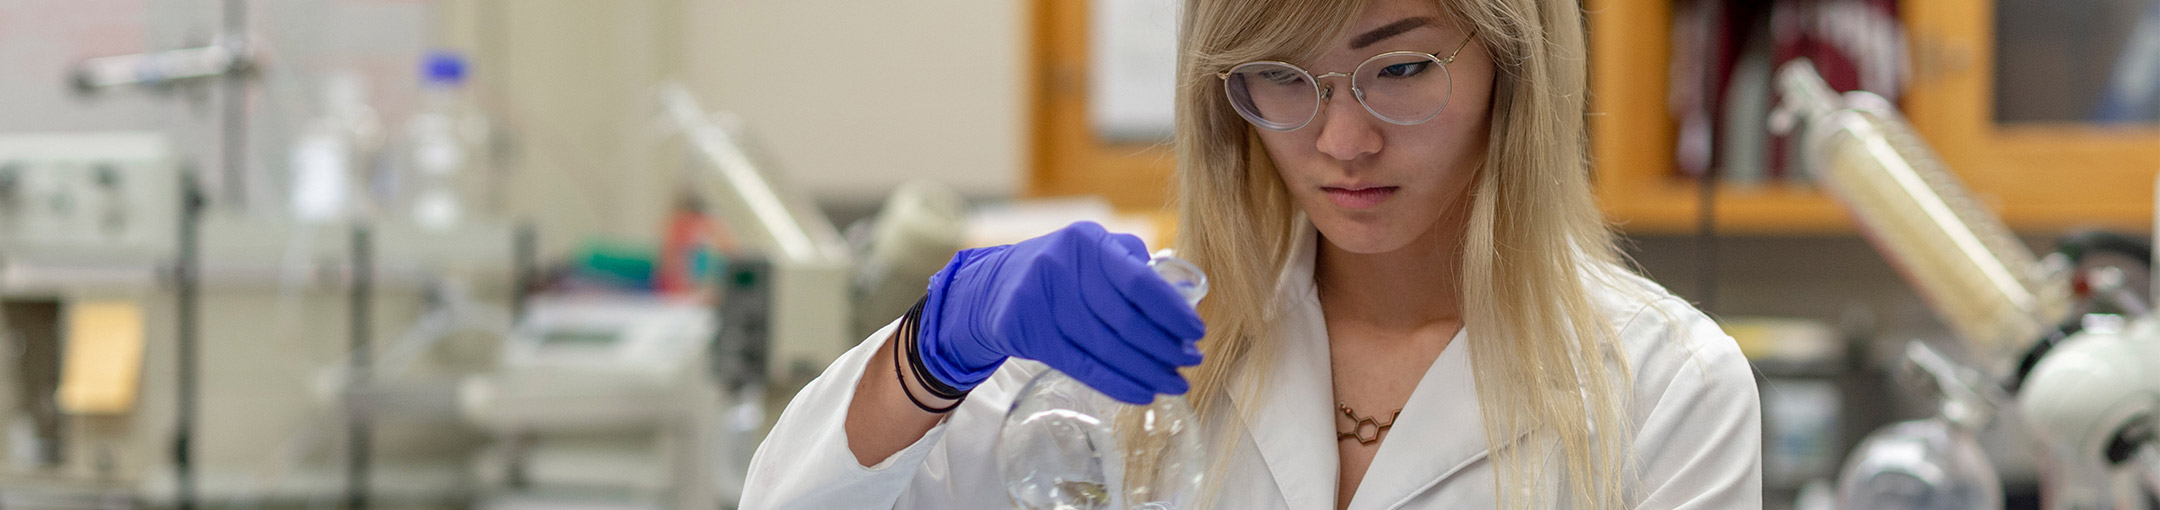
x,y
1698,442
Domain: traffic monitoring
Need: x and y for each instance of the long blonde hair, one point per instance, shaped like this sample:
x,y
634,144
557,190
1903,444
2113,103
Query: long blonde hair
x,y
1534,243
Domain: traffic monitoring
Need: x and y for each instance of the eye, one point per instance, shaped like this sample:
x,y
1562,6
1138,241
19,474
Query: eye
x,y
1280,77
1404,70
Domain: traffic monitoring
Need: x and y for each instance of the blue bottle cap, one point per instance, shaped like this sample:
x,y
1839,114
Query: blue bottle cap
x,y
443,68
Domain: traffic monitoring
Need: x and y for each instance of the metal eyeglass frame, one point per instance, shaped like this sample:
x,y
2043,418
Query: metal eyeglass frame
x,y
1321,95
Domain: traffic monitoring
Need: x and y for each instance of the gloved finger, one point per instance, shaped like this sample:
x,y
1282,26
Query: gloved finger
x,y
1131,243
1087,335
1116,356
1080,233
1111,311
1152,297
1109,382
1118,320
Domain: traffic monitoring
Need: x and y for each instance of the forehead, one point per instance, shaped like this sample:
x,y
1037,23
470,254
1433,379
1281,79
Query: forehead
x,y
1228,32
1387,25
1379,13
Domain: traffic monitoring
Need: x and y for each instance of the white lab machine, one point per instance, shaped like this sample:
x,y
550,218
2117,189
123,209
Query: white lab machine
x,y
599,402
83,197
84,220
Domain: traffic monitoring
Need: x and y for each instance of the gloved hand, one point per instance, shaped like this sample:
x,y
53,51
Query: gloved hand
x,y
1081,300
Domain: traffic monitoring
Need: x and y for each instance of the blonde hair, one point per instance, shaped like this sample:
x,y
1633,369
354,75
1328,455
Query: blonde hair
x,y
1534,243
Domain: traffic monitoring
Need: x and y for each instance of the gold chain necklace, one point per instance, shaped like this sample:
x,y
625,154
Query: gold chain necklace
x,y
1365,430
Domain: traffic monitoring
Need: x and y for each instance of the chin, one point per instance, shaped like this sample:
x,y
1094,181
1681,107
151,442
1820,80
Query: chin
x,y
1366,236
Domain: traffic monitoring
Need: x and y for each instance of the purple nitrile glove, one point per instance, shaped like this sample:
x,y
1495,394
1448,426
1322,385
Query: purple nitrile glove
x,y
1081,300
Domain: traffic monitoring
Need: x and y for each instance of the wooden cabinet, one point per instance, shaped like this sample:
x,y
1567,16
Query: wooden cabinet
x,y
1632,135
1067,158
2042,177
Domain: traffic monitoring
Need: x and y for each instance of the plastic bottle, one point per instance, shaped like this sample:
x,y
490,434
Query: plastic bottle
x,y
448,149
332,154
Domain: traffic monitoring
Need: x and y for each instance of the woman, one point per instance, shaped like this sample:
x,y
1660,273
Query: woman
x,y
1415,301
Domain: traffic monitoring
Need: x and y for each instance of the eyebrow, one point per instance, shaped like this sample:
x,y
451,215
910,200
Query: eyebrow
x,y
1391,30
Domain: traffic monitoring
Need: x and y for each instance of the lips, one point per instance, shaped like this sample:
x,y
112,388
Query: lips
x,y
1361,197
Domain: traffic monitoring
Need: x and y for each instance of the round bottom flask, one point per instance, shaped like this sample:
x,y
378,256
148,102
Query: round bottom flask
x,y
1065,446
1920,465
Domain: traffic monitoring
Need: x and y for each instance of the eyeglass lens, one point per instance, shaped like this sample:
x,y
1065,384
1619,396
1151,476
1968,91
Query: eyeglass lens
x,y
1401,88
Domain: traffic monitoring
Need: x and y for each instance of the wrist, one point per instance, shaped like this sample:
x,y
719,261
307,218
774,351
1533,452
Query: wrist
x,y
941,399
947,338
925,392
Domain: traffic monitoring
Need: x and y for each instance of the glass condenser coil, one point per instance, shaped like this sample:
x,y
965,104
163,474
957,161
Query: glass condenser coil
x,y
1978,278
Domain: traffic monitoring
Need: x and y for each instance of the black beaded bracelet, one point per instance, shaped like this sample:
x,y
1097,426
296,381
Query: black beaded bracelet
x,y
910,326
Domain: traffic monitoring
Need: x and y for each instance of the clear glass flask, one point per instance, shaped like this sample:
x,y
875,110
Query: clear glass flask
x,y
1928,464
1065,446
1934,463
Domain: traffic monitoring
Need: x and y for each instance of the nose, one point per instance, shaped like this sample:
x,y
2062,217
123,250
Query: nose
x,y
1346,132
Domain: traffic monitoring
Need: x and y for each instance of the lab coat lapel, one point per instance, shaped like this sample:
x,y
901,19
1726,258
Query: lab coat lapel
x,y
1293,426
1440,433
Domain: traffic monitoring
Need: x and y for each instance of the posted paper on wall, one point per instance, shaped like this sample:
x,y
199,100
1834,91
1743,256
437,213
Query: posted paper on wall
x,y
1132,76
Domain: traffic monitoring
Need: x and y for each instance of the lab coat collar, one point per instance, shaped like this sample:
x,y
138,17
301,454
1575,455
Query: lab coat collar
x,y
1439,433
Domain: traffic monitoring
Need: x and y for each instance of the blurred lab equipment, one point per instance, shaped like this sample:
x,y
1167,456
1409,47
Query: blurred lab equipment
x,y
2078,380
335,156
1974,274
73,196
2092,397
83,218
229,61
587,400
810,302
1928,464
1067,446
602,401
1807,379
173,358
336,332
915,232
790,290
449,149
690,252
162,70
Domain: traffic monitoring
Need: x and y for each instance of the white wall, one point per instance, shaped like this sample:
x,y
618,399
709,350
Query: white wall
x,y
855,96
849,97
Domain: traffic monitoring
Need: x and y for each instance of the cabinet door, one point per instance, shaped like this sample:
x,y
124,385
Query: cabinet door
x,y
1068,155
2043,106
